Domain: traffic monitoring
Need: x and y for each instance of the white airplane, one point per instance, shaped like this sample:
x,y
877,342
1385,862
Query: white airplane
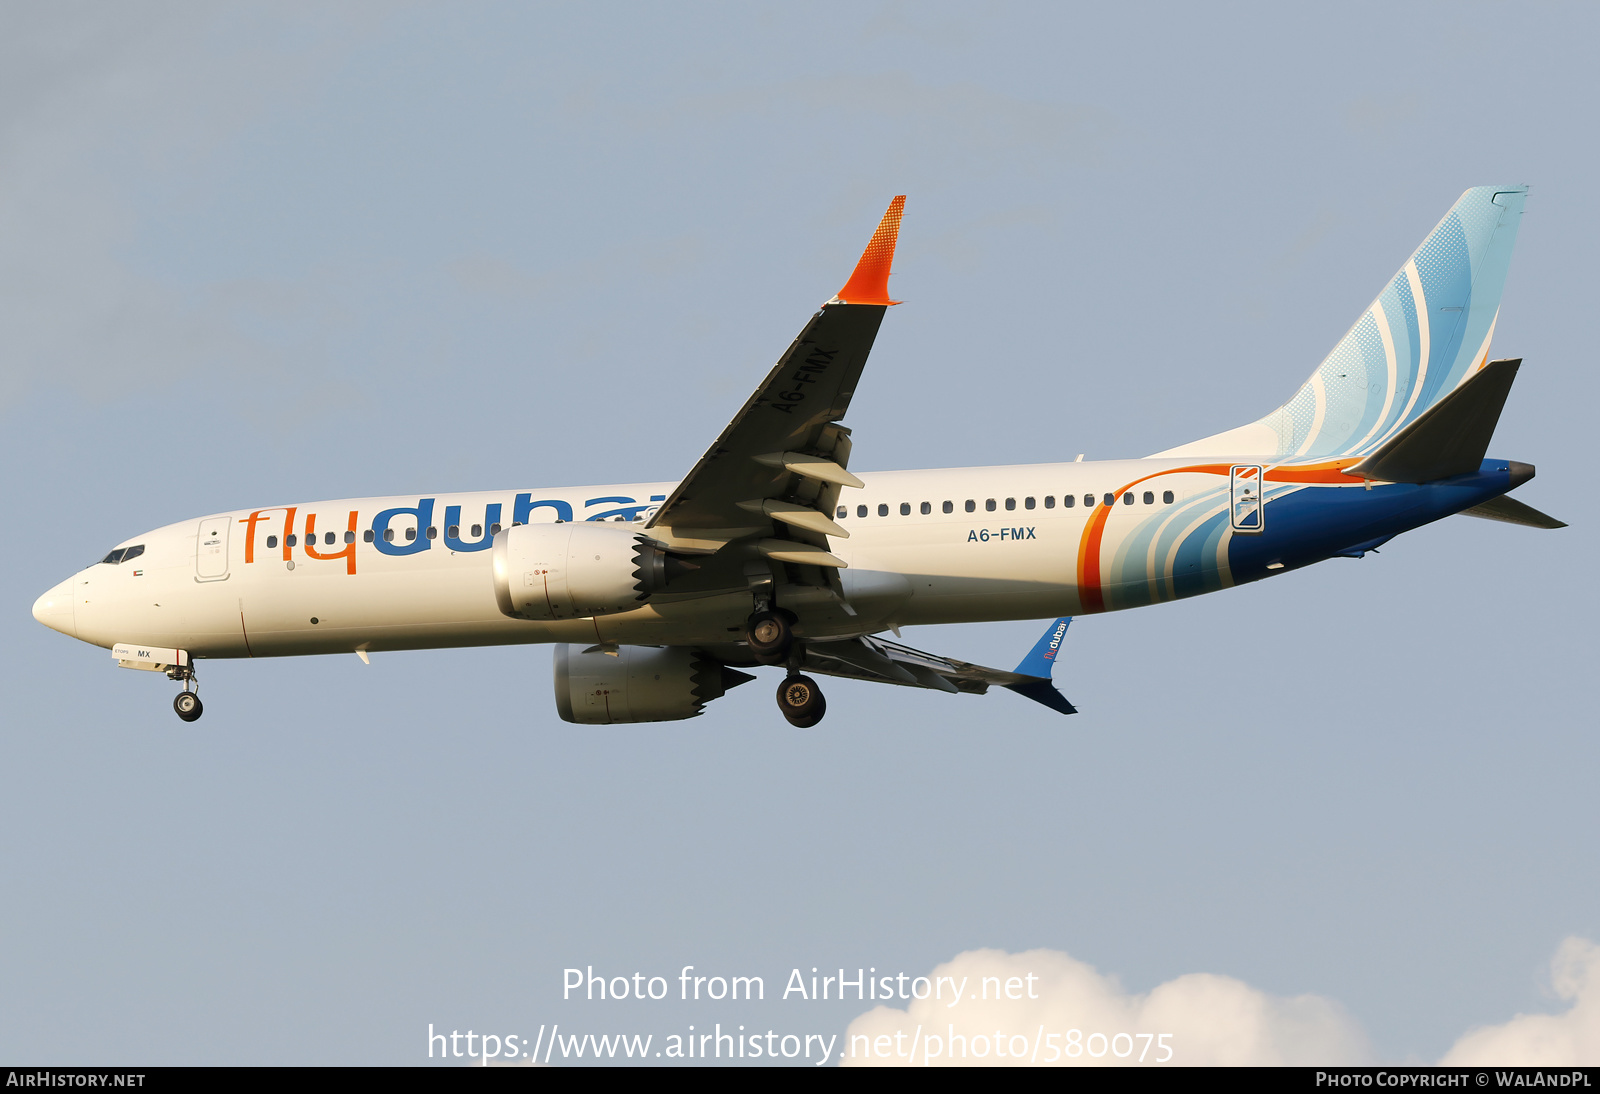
x,y
771,552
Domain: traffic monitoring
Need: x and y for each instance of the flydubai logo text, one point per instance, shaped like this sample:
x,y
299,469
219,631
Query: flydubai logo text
x,y
408,529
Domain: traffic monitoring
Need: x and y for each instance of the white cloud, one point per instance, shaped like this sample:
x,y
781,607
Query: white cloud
x,y
1570,1039
1207,1019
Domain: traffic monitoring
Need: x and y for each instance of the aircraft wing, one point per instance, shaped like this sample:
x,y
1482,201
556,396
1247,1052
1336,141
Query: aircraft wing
x,y
777,469
885,662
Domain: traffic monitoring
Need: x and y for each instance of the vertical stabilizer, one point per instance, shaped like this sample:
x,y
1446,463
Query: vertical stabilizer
x,y
1427,331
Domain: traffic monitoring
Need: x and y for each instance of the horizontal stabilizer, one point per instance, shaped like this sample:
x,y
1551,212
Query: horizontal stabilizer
x,y
1511,511
1451,437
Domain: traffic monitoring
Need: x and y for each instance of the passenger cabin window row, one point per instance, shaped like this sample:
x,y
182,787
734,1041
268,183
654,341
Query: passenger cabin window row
x,y
990,505
330,538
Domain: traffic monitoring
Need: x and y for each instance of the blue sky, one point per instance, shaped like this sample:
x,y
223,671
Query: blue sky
x,y
258,254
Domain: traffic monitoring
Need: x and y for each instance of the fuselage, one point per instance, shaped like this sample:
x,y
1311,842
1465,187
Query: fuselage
x,y
929,546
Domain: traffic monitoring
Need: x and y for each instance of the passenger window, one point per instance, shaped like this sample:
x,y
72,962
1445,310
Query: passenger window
x,y
843,512
349,537
905,509
1050,502
477,531
988,505
926,508
1166,497
972,506
290,540
861,510
433,533
330,539
1027,503
411,534
454,532
1110,499
1011,503
366,537
1088,501
1149,497
494,529
135,551
949,507
883,510
272,541
1127,499
1068,501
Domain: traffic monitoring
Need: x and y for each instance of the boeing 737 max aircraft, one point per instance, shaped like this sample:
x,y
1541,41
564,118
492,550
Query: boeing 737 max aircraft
x,y
770,551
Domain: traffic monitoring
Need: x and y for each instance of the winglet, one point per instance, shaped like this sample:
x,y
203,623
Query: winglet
x,y
1039,664
1042,658
869,284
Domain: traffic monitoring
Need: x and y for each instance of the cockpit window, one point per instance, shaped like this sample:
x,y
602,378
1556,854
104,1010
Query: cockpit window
x,y
123,554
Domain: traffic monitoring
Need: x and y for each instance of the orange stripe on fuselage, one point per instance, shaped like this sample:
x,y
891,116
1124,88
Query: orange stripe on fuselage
x,y
1330,472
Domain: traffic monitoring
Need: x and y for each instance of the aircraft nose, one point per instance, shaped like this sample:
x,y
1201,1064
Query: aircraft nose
x,y
54,609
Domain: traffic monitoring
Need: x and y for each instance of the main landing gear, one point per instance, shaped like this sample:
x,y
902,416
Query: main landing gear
x,y
770,634
801,701
187,703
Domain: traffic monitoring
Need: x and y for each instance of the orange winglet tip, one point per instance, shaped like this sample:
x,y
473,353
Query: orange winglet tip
x,y
869,284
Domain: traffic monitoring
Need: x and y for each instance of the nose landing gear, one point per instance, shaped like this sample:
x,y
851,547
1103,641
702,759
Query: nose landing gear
x,y
801,701
187,703
188,706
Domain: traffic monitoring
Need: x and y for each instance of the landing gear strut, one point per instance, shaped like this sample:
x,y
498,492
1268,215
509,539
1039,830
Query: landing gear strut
x,y
801,701
187,703
770,634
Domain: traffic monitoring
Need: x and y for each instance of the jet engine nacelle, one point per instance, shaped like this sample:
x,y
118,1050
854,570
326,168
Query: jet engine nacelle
x,y
571,570
637,684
